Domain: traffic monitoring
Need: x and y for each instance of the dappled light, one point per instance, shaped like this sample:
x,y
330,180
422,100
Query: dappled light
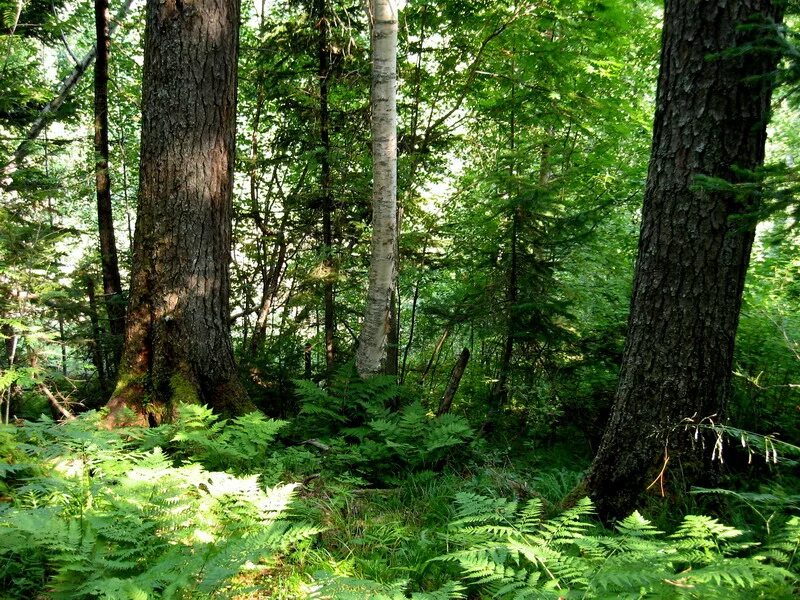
x,y
377,299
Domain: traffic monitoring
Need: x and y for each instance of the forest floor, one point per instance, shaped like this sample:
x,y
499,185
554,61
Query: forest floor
x,y
249,509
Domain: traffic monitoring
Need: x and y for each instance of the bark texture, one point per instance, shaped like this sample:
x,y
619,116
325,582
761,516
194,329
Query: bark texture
x,y
177,339
383,260
711,114
112,285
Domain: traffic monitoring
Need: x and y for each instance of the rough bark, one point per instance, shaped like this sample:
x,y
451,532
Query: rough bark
x,y
383,259
452,386
177,338
711,115
112,285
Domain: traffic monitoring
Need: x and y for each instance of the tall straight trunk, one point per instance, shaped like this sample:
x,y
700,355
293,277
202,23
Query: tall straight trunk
x,y
177,338
323,52
712,109
413,318
112,285
383,260
500,389
393,337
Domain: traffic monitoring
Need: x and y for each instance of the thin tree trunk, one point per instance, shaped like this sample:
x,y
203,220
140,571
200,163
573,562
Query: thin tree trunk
x,y
112,285
270,287
62,342
711,115
436,350
96,343
64,90
455,381
323,53
413,316
383,259
393,337
499,393
307,361
177,340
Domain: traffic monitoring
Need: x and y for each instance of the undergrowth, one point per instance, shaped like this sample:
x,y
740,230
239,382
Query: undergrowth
x,y
383,500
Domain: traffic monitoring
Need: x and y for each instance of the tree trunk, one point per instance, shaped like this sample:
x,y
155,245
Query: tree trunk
x,y
177,339
112,285
96,342
499,393
323,52
383,261
436,350
455,381
271,282
393,337
413,318
711,116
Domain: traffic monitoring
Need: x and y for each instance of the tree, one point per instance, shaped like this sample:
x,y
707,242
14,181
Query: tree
x,y
177,338
383,260
712,108
112,286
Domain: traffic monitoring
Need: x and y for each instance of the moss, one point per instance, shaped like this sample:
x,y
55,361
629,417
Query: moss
x,y
183,390
128,381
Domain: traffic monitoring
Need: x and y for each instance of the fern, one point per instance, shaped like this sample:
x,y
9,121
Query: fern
x,y
350,588
105,520
365,436
511,551
240,445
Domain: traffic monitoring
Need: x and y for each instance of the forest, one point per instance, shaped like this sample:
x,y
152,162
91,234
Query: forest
x,y
455,299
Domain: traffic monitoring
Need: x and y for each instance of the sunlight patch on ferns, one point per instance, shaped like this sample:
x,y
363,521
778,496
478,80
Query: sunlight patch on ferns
x,y
99,518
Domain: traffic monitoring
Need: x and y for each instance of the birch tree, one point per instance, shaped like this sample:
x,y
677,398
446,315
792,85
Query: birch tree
x,y
383,259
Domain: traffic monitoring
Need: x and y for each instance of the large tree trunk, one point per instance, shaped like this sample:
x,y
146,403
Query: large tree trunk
x,y
177,339
112,285
383,261
711,115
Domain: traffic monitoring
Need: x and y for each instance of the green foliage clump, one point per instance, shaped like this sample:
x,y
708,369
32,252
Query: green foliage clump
x,y
97,517
510,551
368,435
240,445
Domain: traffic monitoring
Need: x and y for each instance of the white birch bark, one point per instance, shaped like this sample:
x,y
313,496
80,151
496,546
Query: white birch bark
x,y
383,260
